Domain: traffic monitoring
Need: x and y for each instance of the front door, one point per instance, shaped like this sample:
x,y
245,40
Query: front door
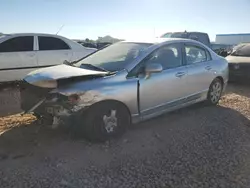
x,y
165,89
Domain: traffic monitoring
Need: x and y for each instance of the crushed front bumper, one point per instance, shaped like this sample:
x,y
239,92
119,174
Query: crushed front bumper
x,y
31,96
53,106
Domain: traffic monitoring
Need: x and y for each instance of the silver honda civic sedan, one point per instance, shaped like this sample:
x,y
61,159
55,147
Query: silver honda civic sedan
x,y
125,83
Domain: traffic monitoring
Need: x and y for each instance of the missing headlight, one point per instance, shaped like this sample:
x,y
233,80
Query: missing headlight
x,y
73,99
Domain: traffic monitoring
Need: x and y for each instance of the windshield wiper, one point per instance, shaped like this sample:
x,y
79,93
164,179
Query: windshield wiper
x,y
65,62
94,67
88,65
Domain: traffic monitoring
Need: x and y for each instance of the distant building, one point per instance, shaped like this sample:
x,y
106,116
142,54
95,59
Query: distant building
x,y
232,39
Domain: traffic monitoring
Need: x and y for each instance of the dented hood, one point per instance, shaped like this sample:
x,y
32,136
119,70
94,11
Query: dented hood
x,y
46,77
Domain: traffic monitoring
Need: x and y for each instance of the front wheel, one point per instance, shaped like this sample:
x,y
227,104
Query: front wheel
x,y
215,91
105,120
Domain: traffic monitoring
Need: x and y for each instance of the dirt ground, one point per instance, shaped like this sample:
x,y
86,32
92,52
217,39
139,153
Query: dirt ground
x,y
9,101
193,147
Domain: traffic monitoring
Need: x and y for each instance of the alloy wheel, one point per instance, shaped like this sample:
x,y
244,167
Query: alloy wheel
x,y
215,92
110,122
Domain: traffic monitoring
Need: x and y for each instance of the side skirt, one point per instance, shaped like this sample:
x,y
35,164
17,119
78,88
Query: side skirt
x,y
168,107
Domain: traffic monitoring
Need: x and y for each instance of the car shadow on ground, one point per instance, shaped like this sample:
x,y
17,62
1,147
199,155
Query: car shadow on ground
x,y
26,140
194,112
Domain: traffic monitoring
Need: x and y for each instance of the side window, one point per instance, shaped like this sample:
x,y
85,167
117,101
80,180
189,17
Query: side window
x,y
51,43
195,54
169,56
209,58
17,44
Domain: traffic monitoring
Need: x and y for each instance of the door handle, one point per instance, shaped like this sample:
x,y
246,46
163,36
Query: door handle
x,y
180,74
208,68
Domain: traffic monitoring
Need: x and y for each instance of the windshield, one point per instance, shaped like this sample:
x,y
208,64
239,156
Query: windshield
x,y
114,57
242,50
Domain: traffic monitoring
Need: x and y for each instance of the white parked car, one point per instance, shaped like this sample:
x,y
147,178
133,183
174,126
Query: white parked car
x,y
22,53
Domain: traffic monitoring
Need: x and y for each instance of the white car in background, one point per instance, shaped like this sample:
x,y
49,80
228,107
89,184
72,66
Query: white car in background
x,y
25,52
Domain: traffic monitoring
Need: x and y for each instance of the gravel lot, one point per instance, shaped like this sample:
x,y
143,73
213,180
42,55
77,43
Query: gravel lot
x,y
193,147
9,100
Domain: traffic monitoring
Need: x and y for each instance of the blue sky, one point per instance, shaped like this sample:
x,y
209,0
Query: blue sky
x,y
127,19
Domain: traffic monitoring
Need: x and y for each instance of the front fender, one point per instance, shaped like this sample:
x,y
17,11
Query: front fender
x,y
115,87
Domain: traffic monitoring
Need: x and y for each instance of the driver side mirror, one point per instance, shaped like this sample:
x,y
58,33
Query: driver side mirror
x,y
153,68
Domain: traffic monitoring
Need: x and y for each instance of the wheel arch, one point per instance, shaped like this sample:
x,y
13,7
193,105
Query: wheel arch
x,y
221,79
103,102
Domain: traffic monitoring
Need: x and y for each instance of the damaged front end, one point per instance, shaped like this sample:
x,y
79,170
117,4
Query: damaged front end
x,y
53,107
42,96
46,105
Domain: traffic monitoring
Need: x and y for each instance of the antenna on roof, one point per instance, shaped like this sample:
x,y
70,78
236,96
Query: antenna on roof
x,y
59,29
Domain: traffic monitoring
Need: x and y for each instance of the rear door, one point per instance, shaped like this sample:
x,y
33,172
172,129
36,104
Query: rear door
x,y
200,75
17,58
52,51
165,89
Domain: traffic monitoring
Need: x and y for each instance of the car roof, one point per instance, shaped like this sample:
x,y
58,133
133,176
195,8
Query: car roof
x,y
196,32
159,40
25,34
28,34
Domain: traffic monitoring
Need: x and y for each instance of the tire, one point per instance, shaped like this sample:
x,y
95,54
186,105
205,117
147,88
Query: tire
x,y
214,92
104,121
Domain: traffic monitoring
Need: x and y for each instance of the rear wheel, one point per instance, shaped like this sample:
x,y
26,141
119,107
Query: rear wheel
x,y
215,91
105,120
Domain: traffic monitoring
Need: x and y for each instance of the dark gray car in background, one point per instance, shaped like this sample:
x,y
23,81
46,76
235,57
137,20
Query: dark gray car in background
x,y
199,36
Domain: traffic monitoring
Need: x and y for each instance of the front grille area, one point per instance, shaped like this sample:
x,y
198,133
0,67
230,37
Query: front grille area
x,y
31,95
